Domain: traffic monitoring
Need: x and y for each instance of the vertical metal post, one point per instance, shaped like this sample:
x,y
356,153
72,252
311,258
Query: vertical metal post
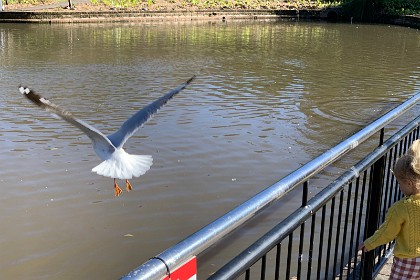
x,y
330,236
311,247
373,210
278,254
289,255
248,274
321,242
337,233
263,267
345,231
302,230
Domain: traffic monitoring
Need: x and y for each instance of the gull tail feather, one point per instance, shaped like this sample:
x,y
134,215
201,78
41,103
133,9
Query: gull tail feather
x,y
132,166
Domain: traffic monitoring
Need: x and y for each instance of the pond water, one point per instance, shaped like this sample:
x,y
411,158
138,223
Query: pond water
x,y
269,97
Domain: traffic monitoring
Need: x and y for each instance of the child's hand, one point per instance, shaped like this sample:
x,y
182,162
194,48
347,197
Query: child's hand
x,y
362,247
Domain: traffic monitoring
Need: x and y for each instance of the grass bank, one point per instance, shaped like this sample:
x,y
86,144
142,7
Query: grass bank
x,y
174,5
364,10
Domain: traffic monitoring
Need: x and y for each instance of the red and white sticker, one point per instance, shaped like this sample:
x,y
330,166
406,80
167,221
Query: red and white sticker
x,y
187,271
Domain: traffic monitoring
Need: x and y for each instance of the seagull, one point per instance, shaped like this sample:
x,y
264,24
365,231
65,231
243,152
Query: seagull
x,y
117,163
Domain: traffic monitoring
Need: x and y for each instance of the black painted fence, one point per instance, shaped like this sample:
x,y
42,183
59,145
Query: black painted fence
x,y
320,239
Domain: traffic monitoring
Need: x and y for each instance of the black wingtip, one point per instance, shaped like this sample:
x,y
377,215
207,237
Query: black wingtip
x,y
31,95
190,80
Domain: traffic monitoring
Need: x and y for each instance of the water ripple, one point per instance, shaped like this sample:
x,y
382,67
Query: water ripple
x,y
269,96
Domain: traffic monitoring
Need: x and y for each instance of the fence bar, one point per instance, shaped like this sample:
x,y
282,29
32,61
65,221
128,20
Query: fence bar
x,y
311,247
353,228
250,255
263,267
337,233
321,242
302,230
372,215
278,255
343,248
217,230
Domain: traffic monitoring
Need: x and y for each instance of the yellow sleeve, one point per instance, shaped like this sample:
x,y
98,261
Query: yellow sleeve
x,y
388,230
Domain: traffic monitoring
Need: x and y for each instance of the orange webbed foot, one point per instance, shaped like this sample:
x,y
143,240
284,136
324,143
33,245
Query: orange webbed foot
x,y
117,189
128,186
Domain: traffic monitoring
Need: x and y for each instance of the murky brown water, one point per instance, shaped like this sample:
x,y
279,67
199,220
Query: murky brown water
x,y
269,97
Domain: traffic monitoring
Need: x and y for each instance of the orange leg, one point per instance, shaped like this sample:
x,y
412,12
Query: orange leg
x,y
117,189
128,186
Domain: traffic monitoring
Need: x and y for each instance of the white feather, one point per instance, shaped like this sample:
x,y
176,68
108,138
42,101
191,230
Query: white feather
x,y
122,165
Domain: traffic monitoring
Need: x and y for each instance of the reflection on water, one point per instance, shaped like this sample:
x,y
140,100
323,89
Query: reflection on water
x,y
269,97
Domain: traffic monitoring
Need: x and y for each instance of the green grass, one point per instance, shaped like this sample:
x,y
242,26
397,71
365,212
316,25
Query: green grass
x,y
358,8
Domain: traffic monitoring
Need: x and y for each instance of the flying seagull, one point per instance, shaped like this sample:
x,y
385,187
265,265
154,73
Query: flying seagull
x,y
117,163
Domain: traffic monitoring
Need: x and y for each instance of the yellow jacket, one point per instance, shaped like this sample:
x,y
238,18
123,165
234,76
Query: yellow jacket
x,y
402,223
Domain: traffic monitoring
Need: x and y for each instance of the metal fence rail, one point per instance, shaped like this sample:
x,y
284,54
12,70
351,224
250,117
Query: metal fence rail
x,y
335,217
159,266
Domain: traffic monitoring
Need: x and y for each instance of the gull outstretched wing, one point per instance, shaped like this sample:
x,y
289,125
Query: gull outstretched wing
x,y
98,138
130,126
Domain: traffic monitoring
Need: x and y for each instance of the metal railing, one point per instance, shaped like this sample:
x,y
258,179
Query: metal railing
x,y
359,197
159,266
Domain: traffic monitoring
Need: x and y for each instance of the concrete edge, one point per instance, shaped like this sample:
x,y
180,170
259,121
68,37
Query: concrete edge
x,y
66,16
408,21
134,16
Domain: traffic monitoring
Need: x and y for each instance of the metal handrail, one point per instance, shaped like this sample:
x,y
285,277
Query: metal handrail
x,y
157,267
255,251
